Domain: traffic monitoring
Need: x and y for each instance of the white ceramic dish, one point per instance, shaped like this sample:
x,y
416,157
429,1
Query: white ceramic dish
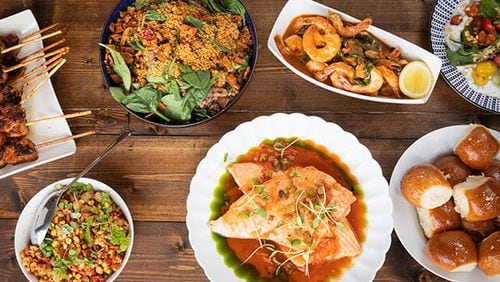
x,y
410,51
250,134
41,105
25,221
427,149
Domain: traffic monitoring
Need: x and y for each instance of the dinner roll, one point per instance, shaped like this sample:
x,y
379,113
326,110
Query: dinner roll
x,y
478,148
493,171
454,169
478,198
489,255
452,251
439,219
425,187
478,230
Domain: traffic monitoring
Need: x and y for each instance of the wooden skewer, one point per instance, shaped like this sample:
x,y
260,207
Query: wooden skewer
x,y
63,51
35,89
45,71
39,32
73,115
65,139
57,43
33,71
21,45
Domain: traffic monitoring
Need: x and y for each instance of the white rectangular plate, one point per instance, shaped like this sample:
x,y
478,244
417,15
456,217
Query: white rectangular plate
x,y
410,51
41,105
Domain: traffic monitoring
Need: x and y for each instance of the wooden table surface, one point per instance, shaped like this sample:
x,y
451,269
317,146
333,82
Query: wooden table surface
x,y
152,170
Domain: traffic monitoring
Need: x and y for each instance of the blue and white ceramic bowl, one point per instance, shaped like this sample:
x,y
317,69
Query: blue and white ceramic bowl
x,y
106,33
443,11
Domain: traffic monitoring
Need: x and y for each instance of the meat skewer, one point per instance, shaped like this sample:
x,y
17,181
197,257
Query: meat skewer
x,y
22,150
9,95
35,89
21,45
13,121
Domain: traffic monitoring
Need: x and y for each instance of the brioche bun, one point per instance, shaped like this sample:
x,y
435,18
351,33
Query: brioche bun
x,y
478,148
452,251
425,186
478,230
453,169
493,171
439,219
478,198
489,255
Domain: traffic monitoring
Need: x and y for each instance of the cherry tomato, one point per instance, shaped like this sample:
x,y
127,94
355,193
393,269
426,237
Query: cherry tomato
x,y
497,27
490,37
487,26
456,20
496,60
481,37
472,10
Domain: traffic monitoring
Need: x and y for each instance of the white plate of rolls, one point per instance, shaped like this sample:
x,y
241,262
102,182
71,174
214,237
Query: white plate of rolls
x,y
446,194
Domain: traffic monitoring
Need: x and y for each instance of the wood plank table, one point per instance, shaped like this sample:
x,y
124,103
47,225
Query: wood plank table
x,y
152,170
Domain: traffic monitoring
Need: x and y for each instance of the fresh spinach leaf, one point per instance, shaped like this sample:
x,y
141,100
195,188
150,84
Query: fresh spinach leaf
x,y
184,68
234,7
139,4
490,8
174,109
190,20
458,58
118,93
198,79
119,66
218,45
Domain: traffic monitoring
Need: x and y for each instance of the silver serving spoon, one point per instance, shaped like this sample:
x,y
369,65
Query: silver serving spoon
x,y
46,210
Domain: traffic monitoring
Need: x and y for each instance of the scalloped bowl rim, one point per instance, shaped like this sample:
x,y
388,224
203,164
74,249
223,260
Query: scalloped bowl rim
x,y
250,134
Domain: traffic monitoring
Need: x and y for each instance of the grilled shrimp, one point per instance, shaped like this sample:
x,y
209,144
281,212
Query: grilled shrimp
x,y
348,31
294,43
391,78
342,77
321,43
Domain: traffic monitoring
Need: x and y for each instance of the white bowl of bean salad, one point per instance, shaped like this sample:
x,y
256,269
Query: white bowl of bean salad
x,y
90,237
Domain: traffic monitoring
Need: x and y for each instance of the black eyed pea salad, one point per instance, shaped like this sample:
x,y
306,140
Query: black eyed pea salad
x,y
86,241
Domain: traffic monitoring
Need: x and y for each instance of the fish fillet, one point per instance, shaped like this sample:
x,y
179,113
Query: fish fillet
x,y
299,210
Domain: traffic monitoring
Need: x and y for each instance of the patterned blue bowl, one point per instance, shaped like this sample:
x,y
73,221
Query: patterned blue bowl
x,y
122,6
443,11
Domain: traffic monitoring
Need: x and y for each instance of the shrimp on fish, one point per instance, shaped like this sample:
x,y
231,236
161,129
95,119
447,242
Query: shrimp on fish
x,y
342,76
391,78
321,43
348,31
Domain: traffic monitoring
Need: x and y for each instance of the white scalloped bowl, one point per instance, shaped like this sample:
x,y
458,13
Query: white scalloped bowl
x,y
250,134
426,149
410,51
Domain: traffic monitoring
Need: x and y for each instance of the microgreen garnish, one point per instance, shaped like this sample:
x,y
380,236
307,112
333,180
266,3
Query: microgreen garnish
x,y
226,156
295,242
278,146
260,211
295,174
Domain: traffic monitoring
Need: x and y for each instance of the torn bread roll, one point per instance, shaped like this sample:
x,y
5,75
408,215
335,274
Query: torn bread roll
x,y
439,219
478,148
452,251
426,187
478,230
478,198
489,255
453,169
